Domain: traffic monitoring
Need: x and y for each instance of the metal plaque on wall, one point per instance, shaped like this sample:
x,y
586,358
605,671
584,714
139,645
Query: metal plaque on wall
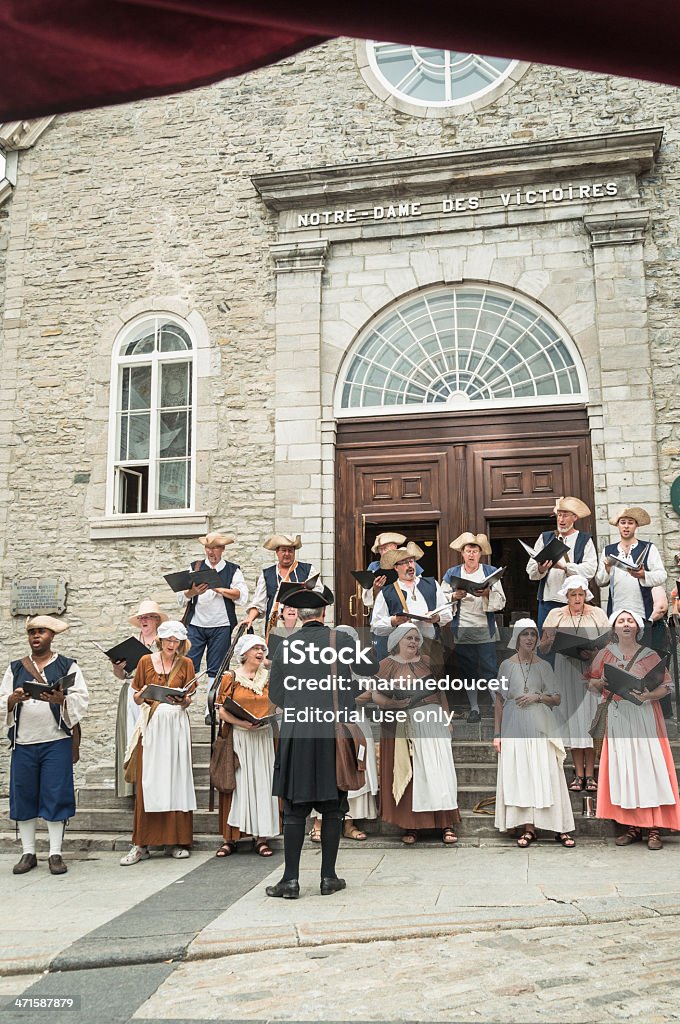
x,y
38,596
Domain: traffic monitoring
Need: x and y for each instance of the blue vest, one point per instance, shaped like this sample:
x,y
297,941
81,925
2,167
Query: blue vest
x,y
299,575
226,575
375,565
579,549
646,592
449,576
427,586
54,671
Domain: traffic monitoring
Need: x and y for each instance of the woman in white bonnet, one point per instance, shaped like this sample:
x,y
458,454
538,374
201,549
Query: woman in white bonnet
x,y
251,810
165,798
578,705
531,790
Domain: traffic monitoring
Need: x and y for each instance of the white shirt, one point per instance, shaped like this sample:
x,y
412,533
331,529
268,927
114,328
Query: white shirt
x,y
473,627
381,622
37,723
624,588
556,577
259,600
210,610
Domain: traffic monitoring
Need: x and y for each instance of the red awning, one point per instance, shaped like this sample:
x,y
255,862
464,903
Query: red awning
x,y
59,55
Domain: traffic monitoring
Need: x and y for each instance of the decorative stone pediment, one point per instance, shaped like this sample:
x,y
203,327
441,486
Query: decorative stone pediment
x,y
15,136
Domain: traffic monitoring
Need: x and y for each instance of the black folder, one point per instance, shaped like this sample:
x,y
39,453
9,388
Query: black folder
x,y
474,586
620,682
618,563
185,579
235,709
154,691
552,552
36,689
570,643
130,651
365,578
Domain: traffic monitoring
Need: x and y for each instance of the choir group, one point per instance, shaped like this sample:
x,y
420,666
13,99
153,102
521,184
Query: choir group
x,y
561,687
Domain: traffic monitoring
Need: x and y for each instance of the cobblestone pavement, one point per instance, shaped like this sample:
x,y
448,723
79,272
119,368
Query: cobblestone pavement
x,y
574,975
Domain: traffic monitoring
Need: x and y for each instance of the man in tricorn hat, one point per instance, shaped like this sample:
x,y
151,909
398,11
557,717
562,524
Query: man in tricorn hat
x,y
301,683
287,569
580,560
383,542
474,620
409,594
41,772
211,615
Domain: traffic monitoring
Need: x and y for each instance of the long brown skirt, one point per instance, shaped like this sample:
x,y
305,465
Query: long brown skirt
x,y
162,828
401,814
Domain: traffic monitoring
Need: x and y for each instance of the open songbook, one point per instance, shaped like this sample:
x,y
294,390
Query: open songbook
x,y
552,552
130,651
36,690
168,694
570,643
186,579
424,618
365,578
620,682
473,587
613,561
236,709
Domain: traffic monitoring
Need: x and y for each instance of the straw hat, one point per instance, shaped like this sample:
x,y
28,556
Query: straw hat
x,y
282,540
216,540
573,505
390,558
640,515
147,608
480,539
387,538
46,622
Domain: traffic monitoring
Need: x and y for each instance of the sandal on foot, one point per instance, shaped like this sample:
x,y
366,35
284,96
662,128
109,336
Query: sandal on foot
x,y
591,784
262,848
654,839
566,840
526,839
350,831
449,837
578,784
315,834
410,837
631,835
226,849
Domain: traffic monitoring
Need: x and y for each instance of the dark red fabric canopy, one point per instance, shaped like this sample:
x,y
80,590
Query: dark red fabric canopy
x,y
59,55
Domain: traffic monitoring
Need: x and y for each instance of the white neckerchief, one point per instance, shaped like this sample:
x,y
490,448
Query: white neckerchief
x,y
257,684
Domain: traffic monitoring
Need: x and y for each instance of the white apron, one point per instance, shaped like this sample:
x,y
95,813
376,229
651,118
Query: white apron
x,y
253,808
167,777
435,786
638,776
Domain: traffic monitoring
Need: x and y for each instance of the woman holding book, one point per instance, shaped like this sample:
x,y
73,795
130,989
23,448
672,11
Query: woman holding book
x,y
146,619
531,790
563,628
418,785
251,810
638,783
164,798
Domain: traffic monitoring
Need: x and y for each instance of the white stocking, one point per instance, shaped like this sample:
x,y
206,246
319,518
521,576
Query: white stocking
x,y
27,834
56,832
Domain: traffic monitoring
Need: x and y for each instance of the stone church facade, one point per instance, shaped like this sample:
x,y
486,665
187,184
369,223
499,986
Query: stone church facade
x,y
205,300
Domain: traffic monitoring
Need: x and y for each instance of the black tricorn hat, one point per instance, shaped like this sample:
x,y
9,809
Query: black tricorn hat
x,y
297,595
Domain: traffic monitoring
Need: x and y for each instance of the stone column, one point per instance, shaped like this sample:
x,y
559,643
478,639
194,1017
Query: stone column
x,y
625,462
299,437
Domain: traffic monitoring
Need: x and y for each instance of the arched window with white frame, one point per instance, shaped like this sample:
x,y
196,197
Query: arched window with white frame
x,y
460,347
152,420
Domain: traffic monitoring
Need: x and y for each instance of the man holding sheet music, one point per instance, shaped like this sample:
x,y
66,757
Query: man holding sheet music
x,y
410,598
580,558
475,603
42,698
211,611
631,567
287,569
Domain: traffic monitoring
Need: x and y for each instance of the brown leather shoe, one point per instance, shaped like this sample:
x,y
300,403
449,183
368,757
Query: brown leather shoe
x,y
27,863
57,866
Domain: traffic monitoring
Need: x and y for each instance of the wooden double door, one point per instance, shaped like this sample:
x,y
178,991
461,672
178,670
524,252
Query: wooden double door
x,y
432,477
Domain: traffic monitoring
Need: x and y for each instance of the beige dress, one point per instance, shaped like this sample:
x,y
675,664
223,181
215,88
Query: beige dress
x,y
578,705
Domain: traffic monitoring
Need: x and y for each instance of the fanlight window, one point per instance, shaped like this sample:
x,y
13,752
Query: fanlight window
x,y
153,442
427,76
457,347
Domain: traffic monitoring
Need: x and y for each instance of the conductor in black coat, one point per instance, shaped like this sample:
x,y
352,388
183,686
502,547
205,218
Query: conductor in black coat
x,y
304,768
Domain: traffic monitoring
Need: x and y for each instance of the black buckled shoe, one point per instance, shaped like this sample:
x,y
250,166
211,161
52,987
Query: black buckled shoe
x,y
330,885
57,866
27,863
288,890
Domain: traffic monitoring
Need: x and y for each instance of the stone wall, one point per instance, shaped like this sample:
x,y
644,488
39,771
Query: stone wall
x,y
150,205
